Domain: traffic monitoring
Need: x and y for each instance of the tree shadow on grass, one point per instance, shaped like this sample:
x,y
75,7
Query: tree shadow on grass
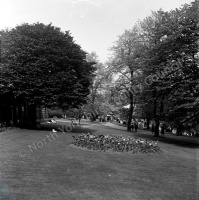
x,y
182,141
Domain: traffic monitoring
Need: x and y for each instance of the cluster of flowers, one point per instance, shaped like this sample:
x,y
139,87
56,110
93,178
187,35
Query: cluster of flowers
x,y
115,143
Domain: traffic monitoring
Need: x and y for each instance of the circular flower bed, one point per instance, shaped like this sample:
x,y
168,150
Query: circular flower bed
x,y
115,143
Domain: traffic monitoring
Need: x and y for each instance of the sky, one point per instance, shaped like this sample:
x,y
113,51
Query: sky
x,y
94,24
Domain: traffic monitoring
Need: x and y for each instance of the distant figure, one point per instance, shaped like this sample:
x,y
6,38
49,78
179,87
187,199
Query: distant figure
x,y
136,126
153,128
162,129
132,125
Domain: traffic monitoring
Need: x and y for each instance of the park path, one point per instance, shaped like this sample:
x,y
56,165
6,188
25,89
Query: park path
x,y
109,124
167,136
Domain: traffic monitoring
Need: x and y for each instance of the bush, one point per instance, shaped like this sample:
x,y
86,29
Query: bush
x,y
115,143
55,113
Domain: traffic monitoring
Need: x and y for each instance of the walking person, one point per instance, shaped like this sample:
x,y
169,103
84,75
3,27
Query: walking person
x,y
132,126
162,129
136,126
153,128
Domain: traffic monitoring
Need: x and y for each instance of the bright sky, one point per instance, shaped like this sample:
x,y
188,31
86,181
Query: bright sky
x,y
94,24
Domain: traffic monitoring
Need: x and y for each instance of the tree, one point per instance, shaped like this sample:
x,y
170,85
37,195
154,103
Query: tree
x,y
97,101
173,41
45,66
183,109
127,52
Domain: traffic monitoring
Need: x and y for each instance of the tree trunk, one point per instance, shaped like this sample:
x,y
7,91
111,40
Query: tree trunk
x,y
20,117
130,113
93,106
8,114
93,116
1,118
79,118
157,124
34,116
148,122
14,114
131,103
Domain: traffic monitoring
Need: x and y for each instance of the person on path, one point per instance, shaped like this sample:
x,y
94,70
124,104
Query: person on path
x,y
136,126
153,128
162,129
132,126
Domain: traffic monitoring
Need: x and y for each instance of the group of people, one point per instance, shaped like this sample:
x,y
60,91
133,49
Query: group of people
x,y
134,125
162,128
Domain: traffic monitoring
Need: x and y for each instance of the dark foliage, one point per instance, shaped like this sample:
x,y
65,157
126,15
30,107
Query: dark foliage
x,y
45,66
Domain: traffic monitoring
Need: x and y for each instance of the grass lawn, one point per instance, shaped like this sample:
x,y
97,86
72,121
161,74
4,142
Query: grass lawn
x,y
58,171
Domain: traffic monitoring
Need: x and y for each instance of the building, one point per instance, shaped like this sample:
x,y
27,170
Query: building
x,y
17,112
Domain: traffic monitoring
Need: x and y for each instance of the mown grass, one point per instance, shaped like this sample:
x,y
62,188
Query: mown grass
x,y
60,171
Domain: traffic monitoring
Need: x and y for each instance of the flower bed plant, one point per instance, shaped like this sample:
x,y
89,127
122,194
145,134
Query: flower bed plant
x,y
115,143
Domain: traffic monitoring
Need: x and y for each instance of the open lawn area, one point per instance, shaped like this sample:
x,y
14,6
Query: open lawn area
x,y
51,169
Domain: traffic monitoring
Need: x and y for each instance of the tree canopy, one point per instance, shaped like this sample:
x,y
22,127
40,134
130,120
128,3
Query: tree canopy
x,y
173,65
163,48
45,66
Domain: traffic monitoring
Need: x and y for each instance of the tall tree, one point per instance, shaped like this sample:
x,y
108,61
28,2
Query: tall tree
x,y
172,64
184,91
126,61
45,65
96,104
